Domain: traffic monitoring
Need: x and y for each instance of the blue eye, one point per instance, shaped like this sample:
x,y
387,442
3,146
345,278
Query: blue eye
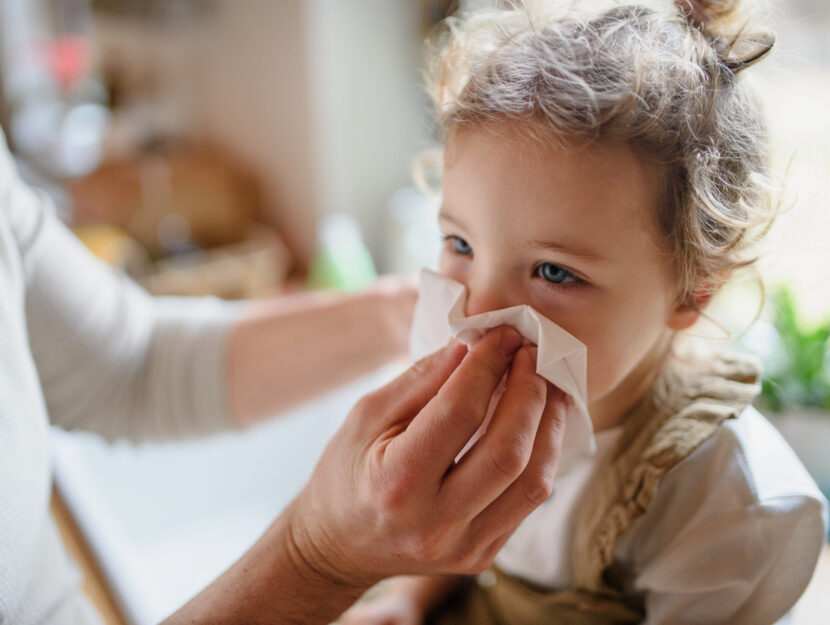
x,y
460,246
554,274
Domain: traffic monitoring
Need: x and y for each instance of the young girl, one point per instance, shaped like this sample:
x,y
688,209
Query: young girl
x,y
605,163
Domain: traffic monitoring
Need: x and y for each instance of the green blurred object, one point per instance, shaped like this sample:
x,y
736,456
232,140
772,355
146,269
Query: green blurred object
x,y
797,374
342,261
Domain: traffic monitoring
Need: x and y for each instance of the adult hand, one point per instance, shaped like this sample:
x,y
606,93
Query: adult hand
x,y
387,497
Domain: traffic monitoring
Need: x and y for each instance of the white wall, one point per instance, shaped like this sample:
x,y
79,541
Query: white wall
x,y
368,105
251,79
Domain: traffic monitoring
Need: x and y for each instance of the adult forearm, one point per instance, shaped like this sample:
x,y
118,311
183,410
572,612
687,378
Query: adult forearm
x,y
288,350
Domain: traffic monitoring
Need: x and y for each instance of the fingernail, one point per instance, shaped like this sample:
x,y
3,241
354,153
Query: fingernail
x,y
533,352
510,341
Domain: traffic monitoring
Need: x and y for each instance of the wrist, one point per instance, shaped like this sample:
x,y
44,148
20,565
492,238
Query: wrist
x,y
315,572
275,582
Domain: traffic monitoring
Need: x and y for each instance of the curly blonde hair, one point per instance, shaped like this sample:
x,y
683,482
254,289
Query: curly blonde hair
x,y
664,77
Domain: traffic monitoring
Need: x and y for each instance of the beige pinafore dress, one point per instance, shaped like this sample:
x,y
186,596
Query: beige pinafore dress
x,y
685,406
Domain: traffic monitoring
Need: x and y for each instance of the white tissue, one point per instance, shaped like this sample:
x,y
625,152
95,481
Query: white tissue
x,y
561,359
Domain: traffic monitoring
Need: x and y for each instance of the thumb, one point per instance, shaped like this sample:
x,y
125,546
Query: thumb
x,y
404,397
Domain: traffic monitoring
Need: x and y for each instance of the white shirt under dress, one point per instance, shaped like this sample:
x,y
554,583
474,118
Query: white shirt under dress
x,y
732,536
83,347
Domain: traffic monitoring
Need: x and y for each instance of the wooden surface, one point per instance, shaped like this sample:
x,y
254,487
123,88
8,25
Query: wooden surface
x,y
94,586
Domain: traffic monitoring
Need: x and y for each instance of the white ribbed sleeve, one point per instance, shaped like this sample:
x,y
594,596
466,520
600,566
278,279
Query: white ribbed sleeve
x,y
112,359
83,347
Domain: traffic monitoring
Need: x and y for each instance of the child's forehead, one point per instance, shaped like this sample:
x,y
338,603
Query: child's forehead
x,y
525,156
529,140
575,190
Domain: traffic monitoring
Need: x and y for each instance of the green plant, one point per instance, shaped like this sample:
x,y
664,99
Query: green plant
x,y
796,358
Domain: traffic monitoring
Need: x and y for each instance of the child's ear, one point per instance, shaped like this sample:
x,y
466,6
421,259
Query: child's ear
x,y
687,310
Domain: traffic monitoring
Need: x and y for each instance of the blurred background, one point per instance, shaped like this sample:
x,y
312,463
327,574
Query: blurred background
x,y
249,147
173,133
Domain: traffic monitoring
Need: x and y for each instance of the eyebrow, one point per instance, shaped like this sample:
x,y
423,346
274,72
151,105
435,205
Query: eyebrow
x,y
584,253
554,246
449,218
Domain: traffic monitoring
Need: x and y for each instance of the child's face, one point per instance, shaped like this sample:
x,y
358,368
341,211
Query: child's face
x,y
572,232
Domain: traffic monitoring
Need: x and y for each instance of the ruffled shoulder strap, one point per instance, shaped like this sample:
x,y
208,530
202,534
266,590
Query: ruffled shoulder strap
x,y
685,406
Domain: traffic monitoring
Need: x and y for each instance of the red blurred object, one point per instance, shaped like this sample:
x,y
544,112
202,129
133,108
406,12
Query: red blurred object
x,y
68,58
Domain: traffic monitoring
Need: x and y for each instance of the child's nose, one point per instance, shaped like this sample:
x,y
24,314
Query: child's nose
x,y
484,298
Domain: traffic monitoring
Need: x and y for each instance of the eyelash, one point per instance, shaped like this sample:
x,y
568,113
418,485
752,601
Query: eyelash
x,y
575,281
452,239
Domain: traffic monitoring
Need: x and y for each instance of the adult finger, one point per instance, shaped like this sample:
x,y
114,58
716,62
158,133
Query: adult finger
x,y
405,396
534,486
500,456
440,431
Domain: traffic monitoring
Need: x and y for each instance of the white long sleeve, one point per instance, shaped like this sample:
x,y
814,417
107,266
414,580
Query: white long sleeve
x,y
112,359
82,347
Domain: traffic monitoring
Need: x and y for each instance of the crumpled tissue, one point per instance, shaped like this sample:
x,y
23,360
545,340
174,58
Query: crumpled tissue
x,y
561,358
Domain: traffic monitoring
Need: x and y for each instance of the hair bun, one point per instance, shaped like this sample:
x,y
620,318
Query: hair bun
x,y
703,13
733,26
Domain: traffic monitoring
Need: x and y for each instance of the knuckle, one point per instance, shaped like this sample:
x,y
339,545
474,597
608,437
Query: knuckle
x,y
422,367
394,497
538,490
459,562
551,445
559,421
456,414
494,368
428,367
369,406
508,460
535,395
425,547
536,392
523,374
